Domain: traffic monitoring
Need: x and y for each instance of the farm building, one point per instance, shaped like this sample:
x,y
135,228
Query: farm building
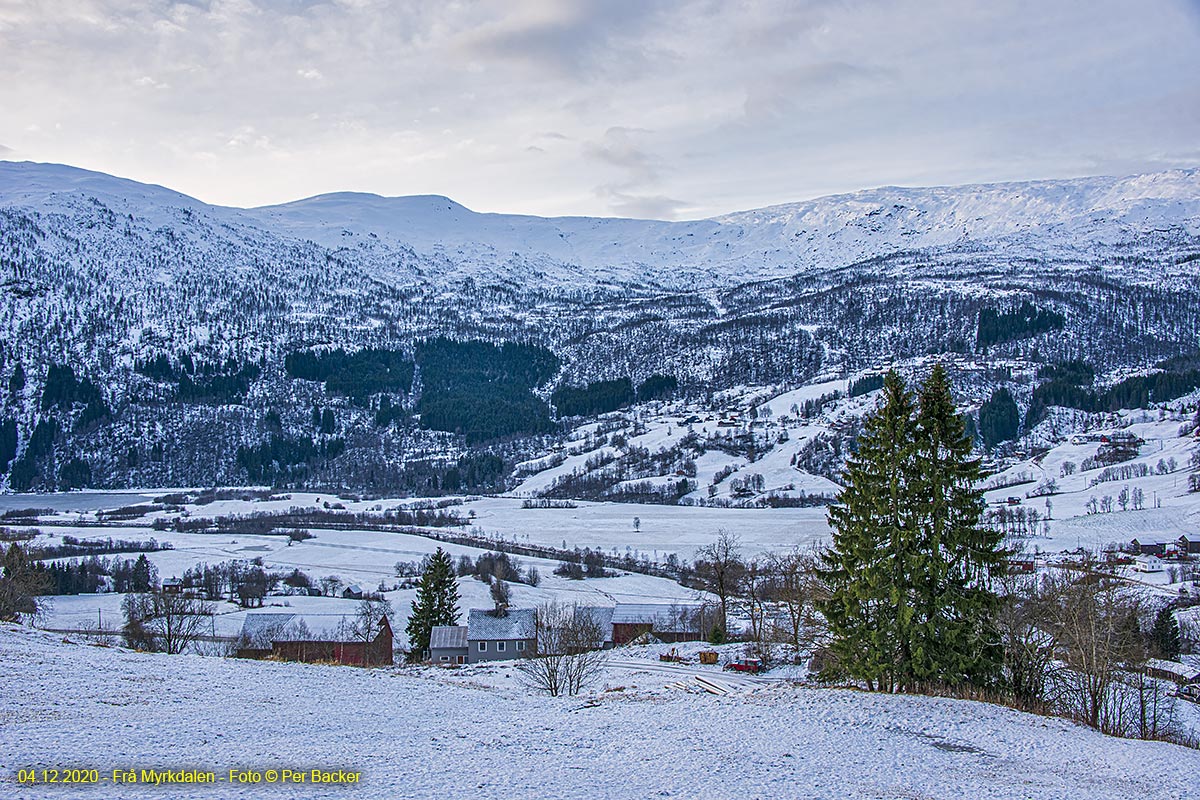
x,y
1189,545
448,644
1148,564
603,616
499,638
1172,671
1148,547
667,623
334,638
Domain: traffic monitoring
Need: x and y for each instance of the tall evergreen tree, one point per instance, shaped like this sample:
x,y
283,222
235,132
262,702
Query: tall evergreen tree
x,y
958,557
869,609
436,602
1164,636
910,569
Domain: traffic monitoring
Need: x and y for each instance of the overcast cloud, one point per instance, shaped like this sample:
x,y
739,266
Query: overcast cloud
x,y
628,107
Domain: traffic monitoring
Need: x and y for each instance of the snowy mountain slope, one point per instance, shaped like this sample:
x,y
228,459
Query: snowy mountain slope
x,y
103,275
1061,218
416,733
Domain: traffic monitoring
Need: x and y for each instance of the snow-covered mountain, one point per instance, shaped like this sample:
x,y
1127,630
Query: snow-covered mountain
x,y
1066,219
182,315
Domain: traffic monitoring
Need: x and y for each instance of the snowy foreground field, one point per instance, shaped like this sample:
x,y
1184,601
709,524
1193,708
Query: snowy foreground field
x,y
422,732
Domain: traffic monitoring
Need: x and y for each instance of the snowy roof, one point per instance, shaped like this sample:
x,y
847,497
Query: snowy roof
x,y
519,623
603,616
448,636
1181,671
657,614
262,628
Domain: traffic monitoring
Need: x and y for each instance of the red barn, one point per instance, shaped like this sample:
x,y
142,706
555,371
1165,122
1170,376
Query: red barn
x,y
325,638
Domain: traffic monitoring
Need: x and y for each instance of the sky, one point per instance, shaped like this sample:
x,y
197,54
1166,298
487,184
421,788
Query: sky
x,y
643,108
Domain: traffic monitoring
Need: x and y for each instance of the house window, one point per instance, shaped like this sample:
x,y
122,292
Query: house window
x,y
500,647
445,658
483,647
520,646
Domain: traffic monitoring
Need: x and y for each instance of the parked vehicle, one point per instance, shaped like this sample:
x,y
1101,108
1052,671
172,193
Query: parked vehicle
x,y
1189,692
754,665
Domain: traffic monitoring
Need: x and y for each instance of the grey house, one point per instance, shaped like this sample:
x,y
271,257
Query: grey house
x,y
448,644
491,638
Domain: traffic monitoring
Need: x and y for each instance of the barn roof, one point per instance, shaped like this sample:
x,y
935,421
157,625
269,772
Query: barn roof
x,y
448,636
1183,672
260,628
662,616
519,623
603,615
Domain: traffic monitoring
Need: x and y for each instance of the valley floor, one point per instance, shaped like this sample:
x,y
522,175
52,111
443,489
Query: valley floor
x,y
427,733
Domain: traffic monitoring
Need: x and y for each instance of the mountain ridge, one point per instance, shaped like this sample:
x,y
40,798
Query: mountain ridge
x,y
1023,219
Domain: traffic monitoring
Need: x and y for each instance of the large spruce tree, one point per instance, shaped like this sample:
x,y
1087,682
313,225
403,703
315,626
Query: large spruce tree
x,y
436,602
958,557
869,608
910,569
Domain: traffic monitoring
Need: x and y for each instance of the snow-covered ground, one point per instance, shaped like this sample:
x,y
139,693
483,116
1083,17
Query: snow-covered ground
x,y
426,733
363,557
662,530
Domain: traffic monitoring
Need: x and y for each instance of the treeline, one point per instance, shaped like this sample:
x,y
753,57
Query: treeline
x,y
245,582
997,327
286,522
282,459
209,382
489,565
483,391
360,374
999,418
96,574
8,443
28,469
96,547
1079,373
864,385
600,397
218,388
580,564
1175,380
657,387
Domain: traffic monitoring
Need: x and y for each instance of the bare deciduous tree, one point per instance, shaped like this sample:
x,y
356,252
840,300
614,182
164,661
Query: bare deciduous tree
x,y
796,587
1096,622
501,596
164,621
368,623
567,655
1030,643
719,566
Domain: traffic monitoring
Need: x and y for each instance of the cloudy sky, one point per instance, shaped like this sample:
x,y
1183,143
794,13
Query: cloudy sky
x,y
646,108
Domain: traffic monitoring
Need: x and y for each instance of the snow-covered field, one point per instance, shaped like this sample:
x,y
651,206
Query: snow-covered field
x,y
652,531
425,732
365,557
662,530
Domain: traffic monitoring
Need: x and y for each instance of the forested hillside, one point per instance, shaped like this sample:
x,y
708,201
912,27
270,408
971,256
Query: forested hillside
x,y
149,339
